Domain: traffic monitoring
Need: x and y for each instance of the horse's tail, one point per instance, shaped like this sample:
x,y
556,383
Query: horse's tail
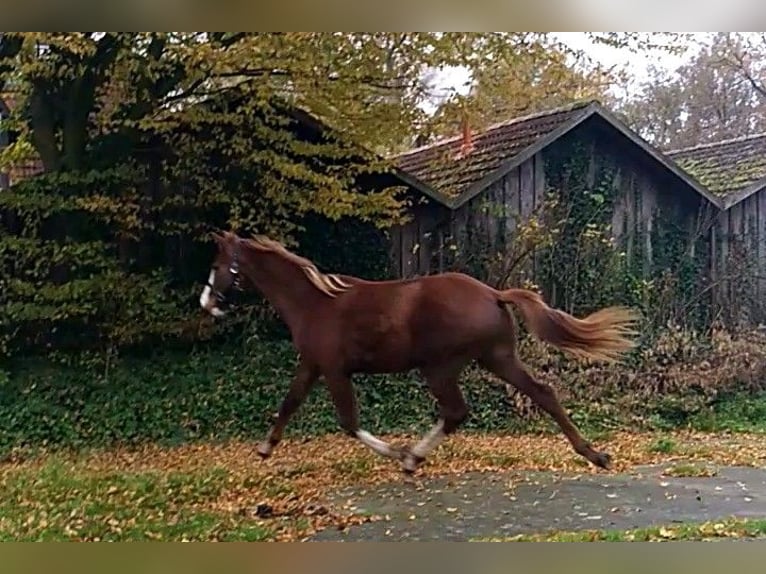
x,y
603,335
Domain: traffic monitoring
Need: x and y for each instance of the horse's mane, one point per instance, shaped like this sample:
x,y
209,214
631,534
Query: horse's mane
x,y
329,284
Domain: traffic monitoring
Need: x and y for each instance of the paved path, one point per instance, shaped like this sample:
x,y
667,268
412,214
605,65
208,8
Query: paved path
x,y
491,505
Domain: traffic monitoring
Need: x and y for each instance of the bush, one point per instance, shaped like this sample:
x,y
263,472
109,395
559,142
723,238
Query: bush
x,y
232,393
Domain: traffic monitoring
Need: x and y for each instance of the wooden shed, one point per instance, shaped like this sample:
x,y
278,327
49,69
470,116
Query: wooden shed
x,y
735,171
473,191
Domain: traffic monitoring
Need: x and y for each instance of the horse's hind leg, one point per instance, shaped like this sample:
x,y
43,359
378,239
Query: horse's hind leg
x,y
504,363
443,384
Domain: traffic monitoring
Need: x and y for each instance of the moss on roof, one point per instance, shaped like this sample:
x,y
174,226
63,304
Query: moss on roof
x,y
727,166
442,166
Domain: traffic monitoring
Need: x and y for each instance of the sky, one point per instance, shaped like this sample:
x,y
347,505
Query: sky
x,y
637,62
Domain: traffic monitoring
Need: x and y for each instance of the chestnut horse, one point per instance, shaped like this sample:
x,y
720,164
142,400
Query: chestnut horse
x,y
437,324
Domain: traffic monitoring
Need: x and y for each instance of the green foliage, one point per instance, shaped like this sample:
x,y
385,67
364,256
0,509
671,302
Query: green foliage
x,y
737,412
175,398
232,392
584,269
64,282
664,445
539,76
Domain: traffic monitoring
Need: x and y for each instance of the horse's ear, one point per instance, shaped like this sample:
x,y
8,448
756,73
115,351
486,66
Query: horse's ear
x,y
219,239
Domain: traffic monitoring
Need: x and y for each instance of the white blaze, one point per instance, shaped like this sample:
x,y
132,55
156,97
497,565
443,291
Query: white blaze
x,y
205,299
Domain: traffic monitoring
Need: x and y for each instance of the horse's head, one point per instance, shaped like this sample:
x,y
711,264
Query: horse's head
x,y
224,274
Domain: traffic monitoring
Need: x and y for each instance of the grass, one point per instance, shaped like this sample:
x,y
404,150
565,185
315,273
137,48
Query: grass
x,y
664,445
738,414
681,470
60,502
731,528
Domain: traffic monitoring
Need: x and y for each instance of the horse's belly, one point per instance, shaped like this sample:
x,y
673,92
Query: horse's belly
x,y
389,357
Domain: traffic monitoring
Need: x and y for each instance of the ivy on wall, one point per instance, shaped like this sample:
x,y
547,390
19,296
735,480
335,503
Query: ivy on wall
x,y
568,249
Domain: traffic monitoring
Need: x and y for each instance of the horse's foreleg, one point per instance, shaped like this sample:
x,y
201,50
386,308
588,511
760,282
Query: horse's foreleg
x,y
304,379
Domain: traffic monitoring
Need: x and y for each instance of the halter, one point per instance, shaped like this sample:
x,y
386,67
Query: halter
x,y
234,270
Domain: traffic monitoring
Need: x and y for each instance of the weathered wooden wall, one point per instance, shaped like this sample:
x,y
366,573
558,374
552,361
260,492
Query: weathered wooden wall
x,y
700,263
646,202
430,241
738,260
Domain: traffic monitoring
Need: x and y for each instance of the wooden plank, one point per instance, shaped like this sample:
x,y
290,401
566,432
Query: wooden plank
x,y
736,223
736,246
539,177
459,236
423,245
630,223
760,206
648,209
527,195
409,233
590,178
538,198
395,249
512,204
724,250
526,188
496,216
691,234
750,212
468,245
618,208
440,249
714,262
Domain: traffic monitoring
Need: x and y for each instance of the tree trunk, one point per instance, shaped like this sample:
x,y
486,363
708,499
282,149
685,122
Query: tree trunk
x,y
43,128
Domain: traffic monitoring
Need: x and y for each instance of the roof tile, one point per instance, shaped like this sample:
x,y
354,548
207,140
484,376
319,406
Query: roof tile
x,y
441,166
727,166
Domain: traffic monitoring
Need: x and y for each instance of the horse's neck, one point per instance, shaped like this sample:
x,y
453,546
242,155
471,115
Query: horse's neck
x,y
285,286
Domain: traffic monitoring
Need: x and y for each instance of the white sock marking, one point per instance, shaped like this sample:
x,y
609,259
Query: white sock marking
x,y
430,441
265,448
379,446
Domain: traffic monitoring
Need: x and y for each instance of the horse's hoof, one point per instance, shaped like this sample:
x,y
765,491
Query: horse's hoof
x,y
603,460
410,461
264,450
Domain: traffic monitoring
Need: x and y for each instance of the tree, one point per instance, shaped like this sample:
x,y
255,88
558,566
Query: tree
x,y
539,76
708,99
746,55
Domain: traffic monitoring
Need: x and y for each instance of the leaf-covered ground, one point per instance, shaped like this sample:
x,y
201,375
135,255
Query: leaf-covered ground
x,y
225,492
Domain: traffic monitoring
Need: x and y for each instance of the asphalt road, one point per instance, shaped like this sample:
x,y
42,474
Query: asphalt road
x,y
495,505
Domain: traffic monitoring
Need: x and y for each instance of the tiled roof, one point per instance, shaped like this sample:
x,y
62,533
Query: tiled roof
x,y
727,166
440,165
